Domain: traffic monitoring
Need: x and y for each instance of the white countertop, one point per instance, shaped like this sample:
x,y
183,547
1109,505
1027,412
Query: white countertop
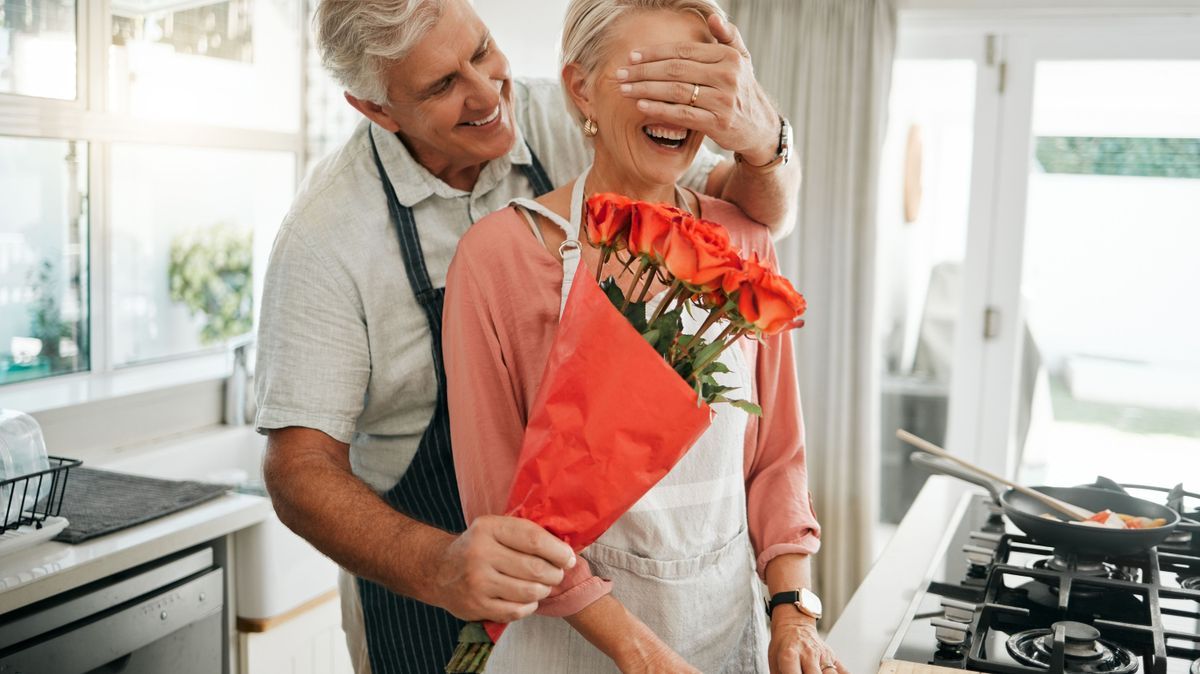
x,y
866,627
50,568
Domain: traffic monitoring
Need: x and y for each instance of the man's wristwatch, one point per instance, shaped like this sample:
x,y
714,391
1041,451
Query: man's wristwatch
x,y
783,153
803,599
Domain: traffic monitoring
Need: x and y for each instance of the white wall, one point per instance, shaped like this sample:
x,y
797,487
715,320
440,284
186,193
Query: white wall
x,y
527,31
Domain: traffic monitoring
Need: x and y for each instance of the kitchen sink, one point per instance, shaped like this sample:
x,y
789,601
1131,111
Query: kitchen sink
x,y
276,570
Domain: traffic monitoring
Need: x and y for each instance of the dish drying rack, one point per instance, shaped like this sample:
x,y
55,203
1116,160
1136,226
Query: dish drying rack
x,y
23,527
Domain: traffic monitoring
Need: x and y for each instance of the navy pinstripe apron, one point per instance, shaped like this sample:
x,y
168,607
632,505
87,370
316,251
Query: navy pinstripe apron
x,y
404,635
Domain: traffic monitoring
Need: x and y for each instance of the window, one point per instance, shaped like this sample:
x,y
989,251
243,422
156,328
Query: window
x,y
1110,271
233,63
328,119
140,189
925,179
43,258
185,226
37,48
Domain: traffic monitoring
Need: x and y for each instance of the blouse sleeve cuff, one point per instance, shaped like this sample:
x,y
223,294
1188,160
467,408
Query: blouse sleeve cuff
x,y
808,544
575,599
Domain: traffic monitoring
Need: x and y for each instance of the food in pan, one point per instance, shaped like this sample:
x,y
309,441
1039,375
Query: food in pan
x,y
1107,519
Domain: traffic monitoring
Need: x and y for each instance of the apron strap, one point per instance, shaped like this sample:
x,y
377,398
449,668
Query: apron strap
x,y
536,174
570,249
406,230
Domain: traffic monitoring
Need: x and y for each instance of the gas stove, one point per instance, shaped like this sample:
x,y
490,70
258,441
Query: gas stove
x,y
997,601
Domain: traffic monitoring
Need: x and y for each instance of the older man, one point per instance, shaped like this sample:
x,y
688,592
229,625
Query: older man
x,y
351,388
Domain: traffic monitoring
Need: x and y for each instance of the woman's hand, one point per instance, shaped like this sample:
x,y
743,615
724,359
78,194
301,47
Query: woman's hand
x,y
796,648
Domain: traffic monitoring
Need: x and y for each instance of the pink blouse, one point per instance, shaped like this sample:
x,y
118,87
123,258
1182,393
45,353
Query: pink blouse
x,y
502,299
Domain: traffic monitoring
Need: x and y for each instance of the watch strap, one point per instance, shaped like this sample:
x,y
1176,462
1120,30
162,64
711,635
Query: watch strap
x,y
758,168
782,150
781,598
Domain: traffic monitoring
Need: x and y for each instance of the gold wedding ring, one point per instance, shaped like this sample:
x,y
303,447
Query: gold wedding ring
x,y
695,94
828,666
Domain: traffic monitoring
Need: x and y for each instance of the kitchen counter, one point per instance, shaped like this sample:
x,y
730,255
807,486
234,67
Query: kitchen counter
x,y
50,568
866,627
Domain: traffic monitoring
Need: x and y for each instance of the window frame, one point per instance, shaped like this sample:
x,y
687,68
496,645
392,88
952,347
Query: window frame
x,y
87,119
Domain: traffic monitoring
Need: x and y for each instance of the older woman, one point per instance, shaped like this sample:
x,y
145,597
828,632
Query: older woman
x,y
671,586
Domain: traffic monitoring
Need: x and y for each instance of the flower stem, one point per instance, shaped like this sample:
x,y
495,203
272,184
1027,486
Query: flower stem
x,y
699,367
646,288
633,286
713,317
676,287
628,263
604,252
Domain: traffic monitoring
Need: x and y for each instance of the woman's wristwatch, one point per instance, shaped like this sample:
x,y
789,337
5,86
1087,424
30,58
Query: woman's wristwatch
x,y
803,599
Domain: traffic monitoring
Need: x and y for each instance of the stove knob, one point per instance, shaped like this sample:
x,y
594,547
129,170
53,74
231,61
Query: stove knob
x,y
958,611
950,634
989,539
978,555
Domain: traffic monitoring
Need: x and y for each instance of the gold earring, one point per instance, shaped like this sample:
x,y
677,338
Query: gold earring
x,y
589,128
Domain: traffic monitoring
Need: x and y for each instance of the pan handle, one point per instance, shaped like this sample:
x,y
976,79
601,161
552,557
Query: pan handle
x,y
935,465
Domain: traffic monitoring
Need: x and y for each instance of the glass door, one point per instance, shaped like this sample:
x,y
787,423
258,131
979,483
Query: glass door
x,y
1095,266
941,121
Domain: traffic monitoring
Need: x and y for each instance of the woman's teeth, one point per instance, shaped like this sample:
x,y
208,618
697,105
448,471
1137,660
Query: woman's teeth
x,y
488,120
671,138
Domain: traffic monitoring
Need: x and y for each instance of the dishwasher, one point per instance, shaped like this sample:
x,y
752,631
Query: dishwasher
x,y
164,616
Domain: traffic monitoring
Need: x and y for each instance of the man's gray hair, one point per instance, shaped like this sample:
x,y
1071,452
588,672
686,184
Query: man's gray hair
x,y
360,39
588,22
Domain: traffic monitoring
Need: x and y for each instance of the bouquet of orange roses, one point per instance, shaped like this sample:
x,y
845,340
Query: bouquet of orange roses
x,y
595,443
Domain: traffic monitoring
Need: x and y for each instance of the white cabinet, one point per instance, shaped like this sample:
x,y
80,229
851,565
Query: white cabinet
x,y
307,641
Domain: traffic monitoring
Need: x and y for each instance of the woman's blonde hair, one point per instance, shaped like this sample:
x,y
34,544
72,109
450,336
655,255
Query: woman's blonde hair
x,y
588,23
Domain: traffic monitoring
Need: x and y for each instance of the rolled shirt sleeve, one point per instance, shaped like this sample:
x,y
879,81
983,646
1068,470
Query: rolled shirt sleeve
x,y
313,355
779,505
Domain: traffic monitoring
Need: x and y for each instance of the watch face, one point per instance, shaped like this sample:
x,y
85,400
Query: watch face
x,y
785,143
810,602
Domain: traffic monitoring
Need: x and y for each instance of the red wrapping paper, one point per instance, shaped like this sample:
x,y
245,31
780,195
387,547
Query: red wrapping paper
x,y
610,419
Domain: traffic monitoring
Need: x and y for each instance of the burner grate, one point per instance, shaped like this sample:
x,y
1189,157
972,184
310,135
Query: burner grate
x,y
1134,615
1073,646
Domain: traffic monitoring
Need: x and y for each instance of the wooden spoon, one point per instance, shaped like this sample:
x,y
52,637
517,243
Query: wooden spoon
x,y
1072,511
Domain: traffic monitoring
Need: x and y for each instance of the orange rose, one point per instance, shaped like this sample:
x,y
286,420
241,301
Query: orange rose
x,y
765,299
650,227
699,254
608,219
712,300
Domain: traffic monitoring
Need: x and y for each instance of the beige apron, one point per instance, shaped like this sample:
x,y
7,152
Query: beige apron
x,y
680,559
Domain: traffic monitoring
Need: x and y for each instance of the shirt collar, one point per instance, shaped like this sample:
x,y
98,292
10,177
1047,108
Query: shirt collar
x,y
414,183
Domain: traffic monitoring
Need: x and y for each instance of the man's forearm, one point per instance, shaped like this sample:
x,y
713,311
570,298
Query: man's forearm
x,y
769,197
324,503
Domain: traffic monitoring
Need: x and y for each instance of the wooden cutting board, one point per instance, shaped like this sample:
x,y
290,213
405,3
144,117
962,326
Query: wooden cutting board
x,y
900,667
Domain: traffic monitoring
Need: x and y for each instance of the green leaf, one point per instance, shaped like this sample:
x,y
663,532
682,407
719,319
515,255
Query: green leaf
x,y
747,407
473,633
716,367
652,336
670,323
684,369
707,352
613,292
636,314
714,391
